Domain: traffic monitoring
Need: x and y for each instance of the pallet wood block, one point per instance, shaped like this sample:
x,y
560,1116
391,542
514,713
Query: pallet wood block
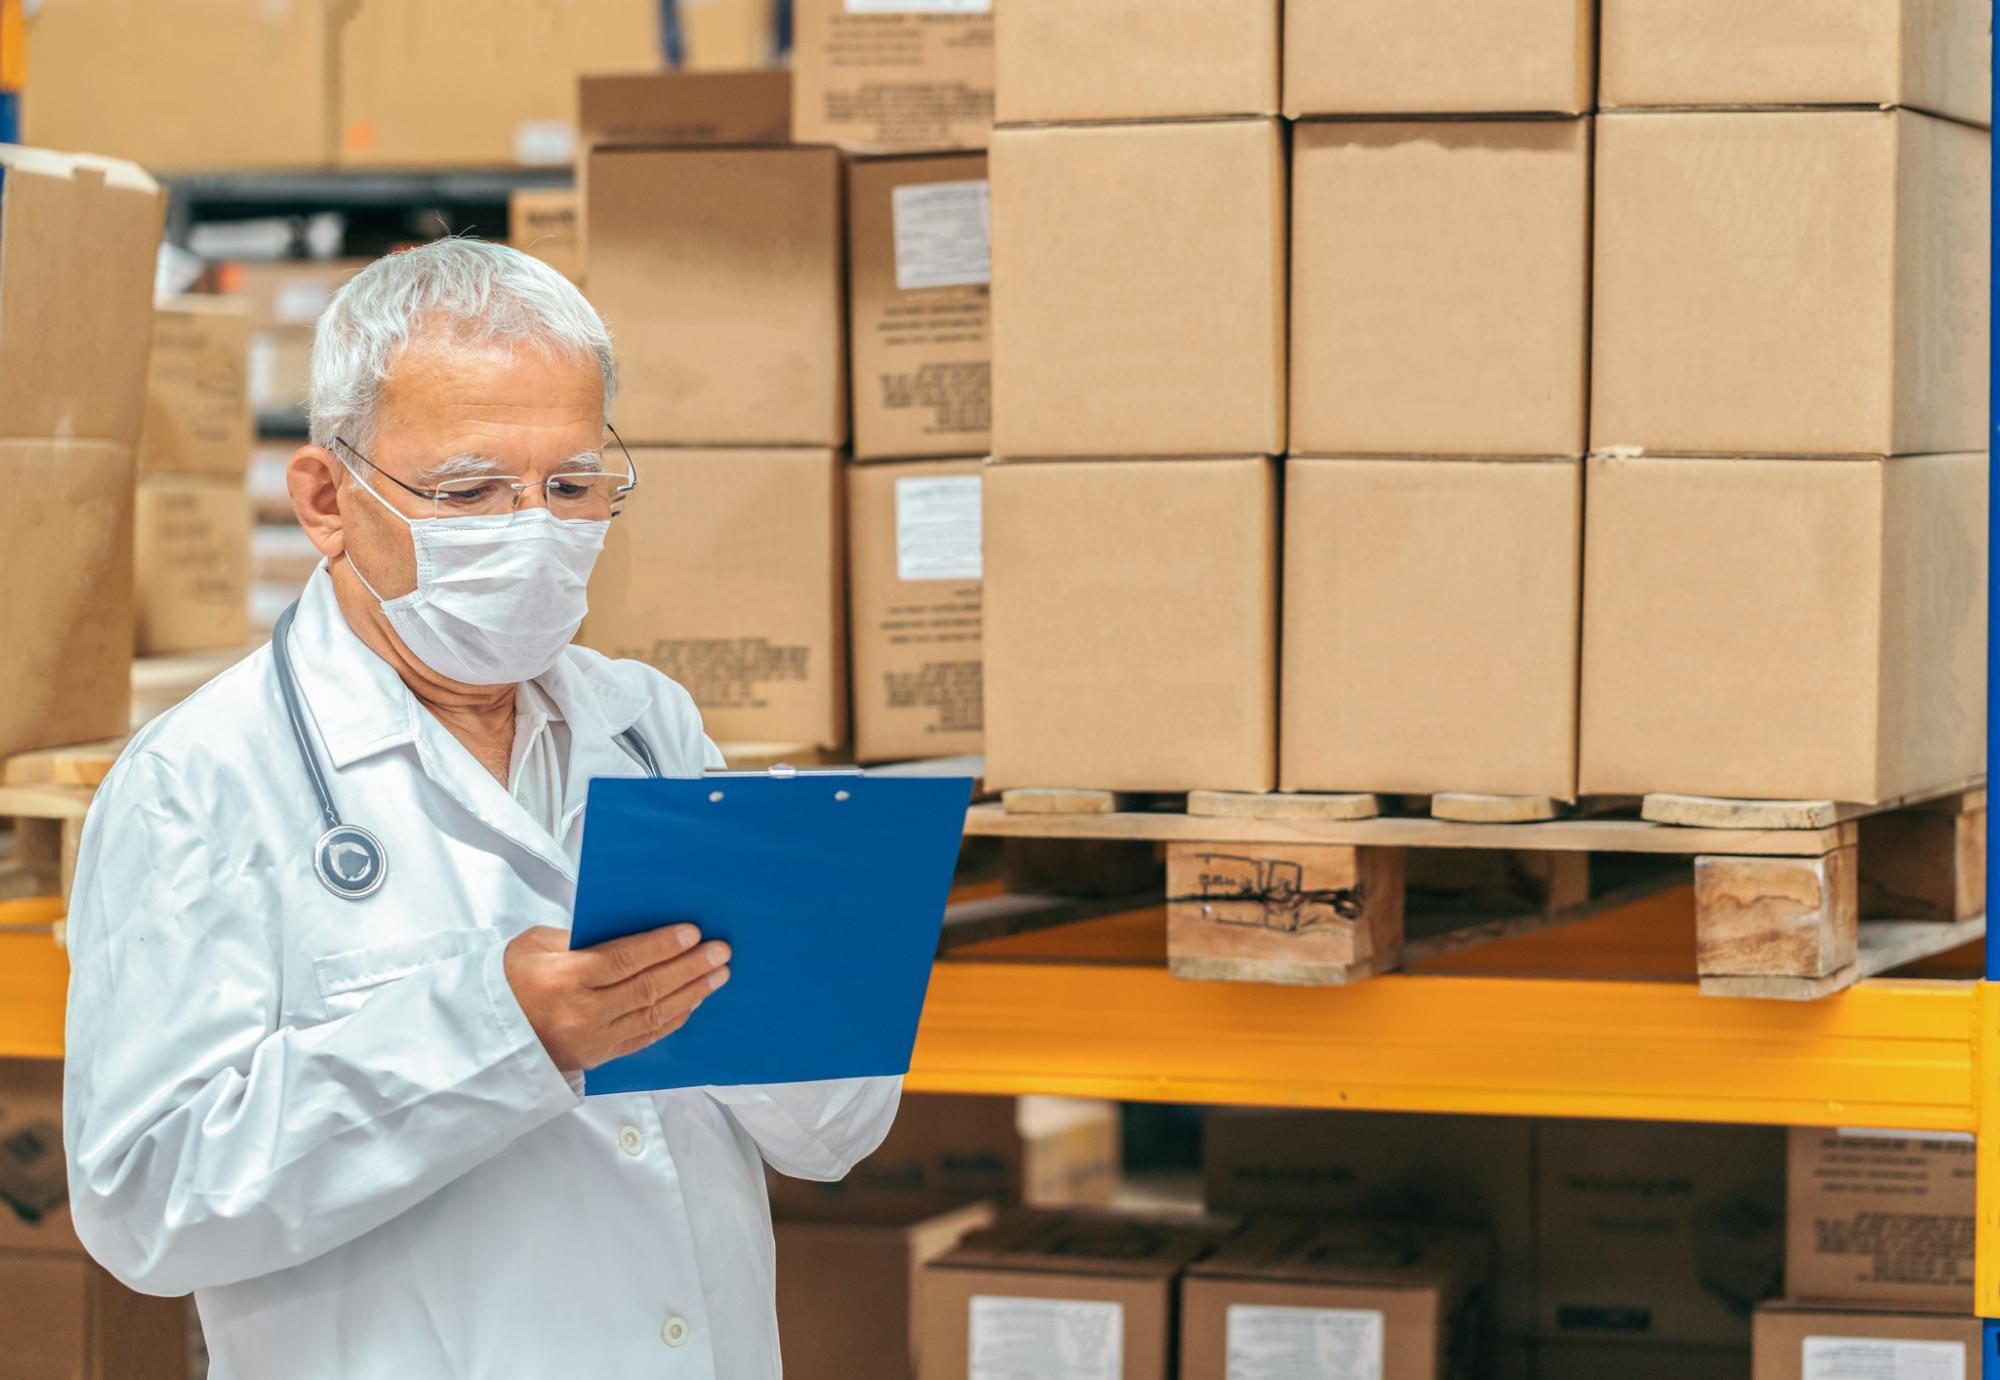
x,y
1720,812
1927,862
1282,805
1884,945
48,826
1786,917
1495,809
1308,914
1062,801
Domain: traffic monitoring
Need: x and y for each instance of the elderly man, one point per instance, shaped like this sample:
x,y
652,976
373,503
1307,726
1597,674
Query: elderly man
x,y
327,1039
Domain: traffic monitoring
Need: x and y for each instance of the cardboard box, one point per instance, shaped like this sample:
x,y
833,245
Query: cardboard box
x,y
724,571
1440,287
1042,1293
76,294
280,368
1430,626
724,35
913,576
197,392
1438,57
1790,282
227,85
287,293
1656,1232
1934,55
945,1151
891,75
1139,289
1399,1303
720,274
43,1316
270,499
848,1292
1606,1360
548,224
34,1178
1802,1341
1780,629
1131,624
1135,59
919,263
685,107
191,560
1879,1219
1441,1171
479,83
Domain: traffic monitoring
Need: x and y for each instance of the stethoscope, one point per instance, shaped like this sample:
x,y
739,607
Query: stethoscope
x,y
349,861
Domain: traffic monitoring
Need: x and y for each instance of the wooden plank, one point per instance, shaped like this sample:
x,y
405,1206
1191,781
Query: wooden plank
x,y
1719,812
1061,801
1470,808
1883,945
1308,914
1282,805
84,764
1789,917
1398,831
45,802
1926,863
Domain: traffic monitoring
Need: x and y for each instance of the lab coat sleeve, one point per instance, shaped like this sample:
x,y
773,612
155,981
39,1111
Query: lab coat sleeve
x,y
815,1130
210,1143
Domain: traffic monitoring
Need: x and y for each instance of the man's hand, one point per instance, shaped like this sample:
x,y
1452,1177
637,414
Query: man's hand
x,y
590,1005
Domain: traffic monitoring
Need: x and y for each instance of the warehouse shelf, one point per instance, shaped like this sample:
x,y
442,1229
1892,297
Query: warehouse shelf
x,y
244,194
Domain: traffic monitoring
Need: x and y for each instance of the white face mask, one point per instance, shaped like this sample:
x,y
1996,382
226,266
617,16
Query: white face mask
x,y
497,598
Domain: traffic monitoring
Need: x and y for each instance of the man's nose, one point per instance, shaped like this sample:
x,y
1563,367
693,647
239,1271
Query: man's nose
x,y
534,495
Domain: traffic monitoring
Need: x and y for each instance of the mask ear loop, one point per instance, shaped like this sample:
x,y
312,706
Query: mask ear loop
x,y
348,555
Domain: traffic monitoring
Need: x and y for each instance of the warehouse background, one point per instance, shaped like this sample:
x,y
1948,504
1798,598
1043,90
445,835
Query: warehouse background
x,y
1392,414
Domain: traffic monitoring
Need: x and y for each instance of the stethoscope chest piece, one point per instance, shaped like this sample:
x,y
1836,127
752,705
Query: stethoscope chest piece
x,y
350,861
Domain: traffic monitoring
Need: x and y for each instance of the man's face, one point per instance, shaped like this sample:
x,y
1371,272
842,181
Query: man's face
x,y
448,411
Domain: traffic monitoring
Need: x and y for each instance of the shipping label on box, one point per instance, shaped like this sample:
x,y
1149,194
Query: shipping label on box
x,y
1811,1341
887,75
197,389
1880,1218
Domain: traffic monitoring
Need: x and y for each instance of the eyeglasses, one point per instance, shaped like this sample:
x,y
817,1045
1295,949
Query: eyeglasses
x,y
573,495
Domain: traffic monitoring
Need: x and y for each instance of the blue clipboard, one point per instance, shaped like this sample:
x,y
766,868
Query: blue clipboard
x,y
830,888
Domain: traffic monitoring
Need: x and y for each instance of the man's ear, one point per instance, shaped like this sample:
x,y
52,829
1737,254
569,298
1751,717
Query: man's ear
x,y
313,480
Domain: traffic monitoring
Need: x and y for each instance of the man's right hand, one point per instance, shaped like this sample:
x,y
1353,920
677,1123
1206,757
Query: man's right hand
x,y
590,1005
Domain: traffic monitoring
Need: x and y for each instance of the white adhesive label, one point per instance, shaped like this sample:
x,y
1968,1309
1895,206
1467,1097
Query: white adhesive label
x,y
542,142
941,234
300,303
920,6
938,528
1045,1339
1879,1358
1303,1343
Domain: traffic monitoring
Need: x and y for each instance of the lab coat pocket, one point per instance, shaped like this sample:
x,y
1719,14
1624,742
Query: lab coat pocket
x,y
346,980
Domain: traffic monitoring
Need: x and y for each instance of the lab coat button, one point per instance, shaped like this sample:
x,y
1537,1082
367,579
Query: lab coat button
x,y
630,1141
674,1331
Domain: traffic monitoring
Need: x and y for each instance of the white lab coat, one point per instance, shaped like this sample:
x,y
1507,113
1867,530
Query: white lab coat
x,y
330,1119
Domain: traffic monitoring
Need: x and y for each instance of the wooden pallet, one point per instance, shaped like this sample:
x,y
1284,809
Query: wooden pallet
x,y
1795,899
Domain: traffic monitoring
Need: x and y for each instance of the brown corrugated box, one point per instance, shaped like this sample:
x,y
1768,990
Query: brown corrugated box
x,y
1790,282
725,35
232,84
685,108
286,297
548,223
1440,287
888,75
479,83
1450,1171
918,272
1879,1219
1135,59
1803,1341
197,398
848,1292
725,571
1638,1361
913,576
1934,55
191,563
34,1182
720,272
1042,1290
1386,1301
1438,57
1782,628
1139,289
1658,1233
43,1316
1430,626
947,1150
1131,624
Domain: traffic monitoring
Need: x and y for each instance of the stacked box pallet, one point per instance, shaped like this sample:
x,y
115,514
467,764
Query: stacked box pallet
x,y
1138,178
714,251
1785,553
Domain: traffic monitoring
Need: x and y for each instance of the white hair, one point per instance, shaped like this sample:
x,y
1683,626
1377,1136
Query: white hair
x,y
478,292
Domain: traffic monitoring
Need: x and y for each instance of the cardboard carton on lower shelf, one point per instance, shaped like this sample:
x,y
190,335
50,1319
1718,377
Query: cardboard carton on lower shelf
x,y
1131,618
1044,1293
1638,1361
883,77
191,558
946,1150
547,222
1430,626
1879,1219
914,565
34,1182
197,392
725,571
1784,629
1399,1303
64,1316
848,1291
1813,1341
